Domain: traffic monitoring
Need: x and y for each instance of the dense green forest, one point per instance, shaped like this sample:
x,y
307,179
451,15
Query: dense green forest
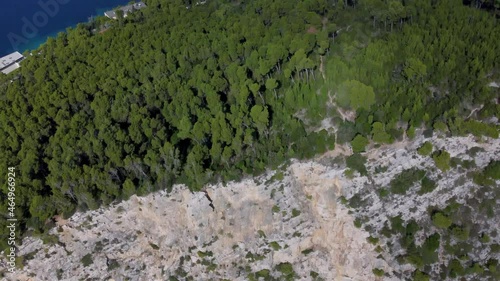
x,y
181,93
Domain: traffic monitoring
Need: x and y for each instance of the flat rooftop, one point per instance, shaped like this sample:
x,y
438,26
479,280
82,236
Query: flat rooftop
x,y
10,62
10,59
126,9
11,68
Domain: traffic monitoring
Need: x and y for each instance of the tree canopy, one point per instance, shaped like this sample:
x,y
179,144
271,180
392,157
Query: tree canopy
x,y
202,93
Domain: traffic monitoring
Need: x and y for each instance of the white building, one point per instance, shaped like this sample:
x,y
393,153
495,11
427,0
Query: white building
x,y
10,62
126,9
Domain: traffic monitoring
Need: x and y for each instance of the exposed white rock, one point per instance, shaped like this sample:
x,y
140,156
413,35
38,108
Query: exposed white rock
x,y
162,235
453,185
148,236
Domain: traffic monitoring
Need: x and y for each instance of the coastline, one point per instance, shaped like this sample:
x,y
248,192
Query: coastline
x,y
38,40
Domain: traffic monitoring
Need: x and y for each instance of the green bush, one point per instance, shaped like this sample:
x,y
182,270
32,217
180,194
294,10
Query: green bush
x,y
455,268
307,251
212,267
379,135
427,185
415,259
112,264
440,220
480,179
254,257
358,223
432,242
408,238
378,272
49,239
478,128
410,132
357,162
251,277
397,224
276,209
286,269
202,254
495,248
492,265
425,149
278,176
428,250
87,260
383,192
264,273
275,245
472,152
442,160
460,232
60,273
359,143
420,276
349,173
372,240
346,132
403,181
484,238
475,268
492,170
468,164
355,94
440,126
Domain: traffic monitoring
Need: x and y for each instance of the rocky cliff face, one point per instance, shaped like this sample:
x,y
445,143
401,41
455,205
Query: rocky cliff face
x,y
290,218
471,208
286,225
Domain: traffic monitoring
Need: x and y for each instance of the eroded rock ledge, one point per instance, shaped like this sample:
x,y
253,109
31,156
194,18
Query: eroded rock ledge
x,y
258,227
291,217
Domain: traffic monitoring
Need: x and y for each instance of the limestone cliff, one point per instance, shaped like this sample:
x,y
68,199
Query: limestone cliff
x,y
286,225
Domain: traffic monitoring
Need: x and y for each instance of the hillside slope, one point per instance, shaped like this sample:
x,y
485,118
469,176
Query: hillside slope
x,y
285,225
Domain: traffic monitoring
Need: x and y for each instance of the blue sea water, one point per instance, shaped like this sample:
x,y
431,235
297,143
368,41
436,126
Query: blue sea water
x,y
26,24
